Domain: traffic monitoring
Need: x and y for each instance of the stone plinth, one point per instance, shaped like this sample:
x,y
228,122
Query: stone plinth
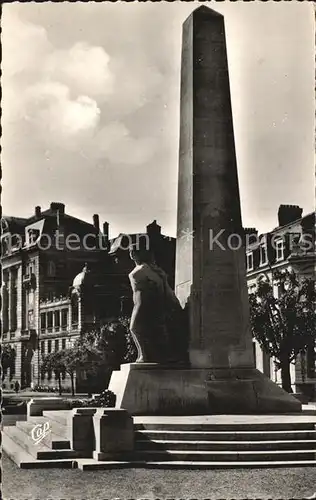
x,y
151,389
114,433
81,430
36,406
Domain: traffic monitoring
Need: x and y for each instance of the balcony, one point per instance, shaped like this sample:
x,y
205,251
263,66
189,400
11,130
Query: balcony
x,y
57,330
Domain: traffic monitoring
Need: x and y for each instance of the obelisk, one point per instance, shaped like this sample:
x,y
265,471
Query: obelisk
x,y
210,257
210,260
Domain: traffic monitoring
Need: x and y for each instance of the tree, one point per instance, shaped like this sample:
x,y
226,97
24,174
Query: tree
x,y
115,343
284,326
95,352
54,361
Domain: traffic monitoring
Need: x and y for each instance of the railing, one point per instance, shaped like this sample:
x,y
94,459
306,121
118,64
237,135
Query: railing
x,y
58,329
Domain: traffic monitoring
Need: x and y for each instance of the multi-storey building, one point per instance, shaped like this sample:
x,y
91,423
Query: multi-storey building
x,y
59,281
40,257
290,245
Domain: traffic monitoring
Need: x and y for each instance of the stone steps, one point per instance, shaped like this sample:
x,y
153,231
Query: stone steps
x,y
58,432
236,435
26,461
231,445
42,450
227,427
58,416
173,443
222,442
223,456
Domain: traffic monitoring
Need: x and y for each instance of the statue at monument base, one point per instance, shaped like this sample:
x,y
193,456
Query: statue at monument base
x,y
158,322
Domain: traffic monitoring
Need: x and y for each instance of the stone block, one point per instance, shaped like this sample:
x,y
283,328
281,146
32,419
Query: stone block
x,y
81,430
152,389
36,406
114,433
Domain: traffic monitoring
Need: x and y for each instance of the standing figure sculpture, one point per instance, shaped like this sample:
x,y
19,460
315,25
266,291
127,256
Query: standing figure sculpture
x,y
157,322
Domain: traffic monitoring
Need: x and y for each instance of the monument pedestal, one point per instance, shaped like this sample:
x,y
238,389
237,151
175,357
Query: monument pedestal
x,y
152,389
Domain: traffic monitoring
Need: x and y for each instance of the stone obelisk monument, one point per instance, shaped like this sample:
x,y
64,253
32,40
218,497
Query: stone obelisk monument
x,y
210,257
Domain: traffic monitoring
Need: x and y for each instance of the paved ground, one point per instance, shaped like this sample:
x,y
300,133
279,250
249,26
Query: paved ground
x,y
34,394
57,484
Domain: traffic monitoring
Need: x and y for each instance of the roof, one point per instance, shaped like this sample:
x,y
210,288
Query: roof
x,y
130,239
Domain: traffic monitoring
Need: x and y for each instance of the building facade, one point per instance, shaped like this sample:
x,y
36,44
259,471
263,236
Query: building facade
x,y
290,245
59,280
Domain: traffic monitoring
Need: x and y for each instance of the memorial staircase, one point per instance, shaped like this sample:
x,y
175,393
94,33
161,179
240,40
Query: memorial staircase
x,y
207,442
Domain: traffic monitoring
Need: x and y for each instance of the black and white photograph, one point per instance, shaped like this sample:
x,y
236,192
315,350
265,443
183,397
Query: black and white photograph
x,y
158,300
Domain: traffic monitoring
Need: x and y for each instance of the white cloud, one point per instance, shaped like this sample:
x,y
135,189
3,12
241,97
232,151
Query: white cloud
x,y
116,143
24,45
63,117
83,67
72,97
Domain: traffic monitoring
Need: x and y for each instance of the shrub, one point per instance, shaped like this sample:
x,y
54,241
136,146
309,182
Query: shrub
x,y
106,399
46,388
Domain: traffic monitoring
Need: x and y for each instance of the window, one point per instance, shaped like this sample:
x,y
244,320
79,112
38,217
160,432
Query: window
x,y
57,320
279,248
51,269
56,345
43,347
64,319
5,304
49,346
30,267
249,261
30,318
43,321
263,254
63,343
50,320
13,300
74,311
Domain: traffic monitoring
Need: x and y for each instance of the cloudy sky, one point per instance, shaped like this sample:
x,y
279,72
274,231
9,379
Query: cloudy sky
x,y
91,108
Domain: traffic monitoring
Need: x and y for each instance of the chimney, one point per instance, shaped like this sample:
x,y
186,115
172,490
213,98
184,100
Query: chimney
x,y
288,214
251,235
58,207
59,210
37,212
153,229
106,230
96,222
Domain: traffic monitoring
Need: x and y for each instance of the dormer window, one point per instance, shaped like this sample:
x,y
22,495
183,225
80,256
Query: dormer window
x,y
279,249
263,254
249,257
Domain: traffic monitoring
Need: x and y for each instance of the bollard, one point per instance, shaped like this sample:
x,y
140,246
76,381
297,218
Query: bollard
x,y
114,434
